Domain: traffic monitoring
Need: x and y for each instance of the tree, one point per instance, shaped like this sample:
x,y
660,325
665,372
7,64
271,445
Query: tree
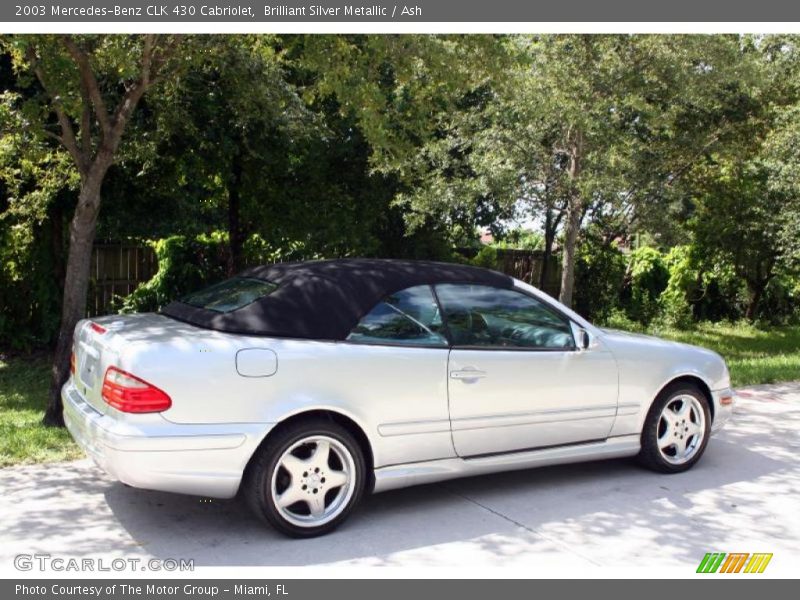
x,y
237,111
397,88
583,125
89,87
739,221
780,158
242,141
610,110
741,194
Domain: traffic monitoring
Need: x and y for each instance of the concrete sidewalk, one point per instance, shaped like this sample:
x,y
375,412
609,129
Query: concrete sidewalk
x,y
744,496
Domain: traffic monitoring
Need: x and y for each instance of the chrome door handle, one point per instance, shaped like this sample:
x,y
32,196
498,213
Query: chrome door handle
x,y
468,374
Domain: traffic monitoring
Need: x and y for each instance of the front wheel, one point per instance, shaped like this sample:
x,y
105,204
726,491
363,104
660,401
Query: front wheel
x,y
307,480
676,430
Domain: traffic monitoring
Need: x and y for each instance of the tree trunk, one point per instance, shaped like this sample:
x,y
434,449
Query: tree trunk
x,y
756,292
756,284
571,229
574,216
76,284
552,221
549,237
234,222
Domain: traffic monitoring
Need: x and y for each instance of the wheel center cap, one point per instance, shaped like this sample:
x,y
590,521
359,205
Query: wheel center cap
x,y
314,478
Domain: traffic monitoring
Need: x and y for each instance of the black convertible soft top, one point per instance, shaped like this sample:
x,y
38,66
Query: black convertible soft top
x,y
325,299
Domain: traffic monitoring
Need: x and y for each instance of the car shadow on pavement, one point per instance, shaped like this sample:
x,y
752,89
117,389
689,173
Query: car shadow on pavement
x,y
569,508
743,491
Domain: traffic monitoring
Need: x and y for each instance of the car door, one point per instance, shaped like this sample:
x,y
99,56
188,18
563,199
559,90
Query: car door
x,y
393,366
516,378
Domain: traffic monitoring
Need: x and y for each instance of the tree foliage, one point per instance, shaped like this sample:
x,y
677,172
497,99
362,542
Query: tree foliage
x,y
662,169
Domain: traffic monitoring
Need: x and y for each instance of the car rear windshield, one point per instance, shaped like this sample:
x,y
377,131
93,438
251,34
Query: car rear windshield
x,y
231,294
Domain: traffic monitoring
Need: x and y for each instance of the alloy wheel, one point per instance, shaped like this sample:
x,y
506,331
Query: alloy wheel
x,y
681,429
313,481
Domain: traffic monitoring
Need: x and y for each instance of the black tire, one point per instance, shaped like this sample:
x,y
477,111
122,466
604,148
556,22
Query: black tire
x,y
257,483
650,456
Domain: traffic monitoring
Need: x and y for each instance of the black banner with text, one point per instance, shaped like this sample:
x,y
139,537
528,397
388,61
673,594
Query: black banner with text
x,y
386,589
70,11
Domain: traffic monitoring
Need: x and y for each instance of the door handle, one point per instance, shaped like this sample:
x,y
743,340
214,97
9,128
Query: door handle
x,y
468,373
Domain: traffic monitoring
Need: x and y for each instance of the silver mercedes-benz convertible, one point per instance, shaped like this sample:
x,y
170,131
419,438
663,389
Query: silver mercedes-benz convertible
x,y
304,386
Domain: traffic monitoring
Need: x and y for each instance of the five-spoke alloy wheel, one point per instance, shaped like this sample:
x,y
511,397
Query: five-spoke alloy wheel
x,y
314,481
307,479
676,430
681,429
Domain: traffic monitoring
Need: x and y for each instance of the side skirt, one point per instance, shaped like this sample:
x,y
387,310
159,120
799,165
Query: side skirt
x,y
399,476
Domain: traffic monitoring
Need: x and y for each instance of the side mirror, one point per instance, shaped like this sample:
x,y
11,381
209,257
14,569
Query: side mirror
x,y
583,339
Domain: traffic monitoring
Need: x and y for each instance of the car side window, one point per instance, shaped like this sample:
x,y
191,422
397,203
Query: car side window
x,y
479,315
407,318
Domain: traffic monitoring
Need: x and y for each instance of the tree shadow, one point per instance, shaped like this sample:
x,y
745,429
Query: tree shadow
x,y
738,498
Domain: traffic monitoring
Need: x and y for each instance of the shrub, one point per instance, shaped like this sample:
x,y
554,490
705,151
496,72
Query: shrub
x,y
599,276
646,278
780,304
486,257
30,293
521,239
722,295
184,264
258,251
699,290
683,284
190,263
617,319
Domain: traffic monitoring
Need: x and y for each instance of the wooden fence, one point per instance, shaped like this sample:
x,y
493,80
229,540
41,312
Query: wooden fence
x,y
117,269
525,265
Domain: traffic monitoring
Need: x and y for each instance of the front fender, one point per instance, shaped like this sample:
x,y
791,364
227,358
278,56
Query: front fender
x,y
647,366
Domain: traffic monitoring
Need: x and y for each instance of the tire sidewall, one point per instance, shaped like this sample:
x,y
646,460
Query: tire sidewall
x,y
263,498
651,454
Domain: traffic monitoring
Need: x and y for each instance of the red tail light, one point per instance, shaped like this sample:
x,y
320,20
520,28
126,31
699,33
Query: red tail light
x,y
97,327
72,362
130,394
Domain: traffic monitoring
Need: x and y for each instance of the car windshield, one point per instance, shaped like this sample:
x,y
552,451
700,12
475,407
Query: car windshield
x,y
231,294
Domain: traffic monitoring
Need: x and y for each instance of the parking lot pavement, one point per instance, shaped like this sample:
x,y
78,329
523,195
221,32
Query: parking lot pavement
x,y
743,496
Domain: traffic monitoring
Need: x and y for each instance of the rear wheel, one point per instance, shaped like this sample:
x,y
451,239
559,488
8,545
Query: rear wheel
x,y
307,479
676,430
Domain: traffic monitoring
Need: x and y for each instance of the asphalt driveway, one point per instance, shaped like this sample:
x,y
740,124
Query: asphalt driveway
x,y
743,496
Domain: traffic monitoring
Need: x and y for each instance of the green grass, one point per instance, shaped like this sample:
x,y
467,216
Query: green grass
x,y
753,355
23,394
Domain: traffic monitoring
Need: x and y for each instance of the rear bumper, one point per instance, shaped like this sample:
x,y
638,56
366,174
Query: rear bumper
x,y
722,412
147,451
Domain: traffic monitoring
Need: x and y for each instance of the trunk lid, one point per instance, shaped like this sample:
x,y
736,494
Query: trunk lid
x,y
99,342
